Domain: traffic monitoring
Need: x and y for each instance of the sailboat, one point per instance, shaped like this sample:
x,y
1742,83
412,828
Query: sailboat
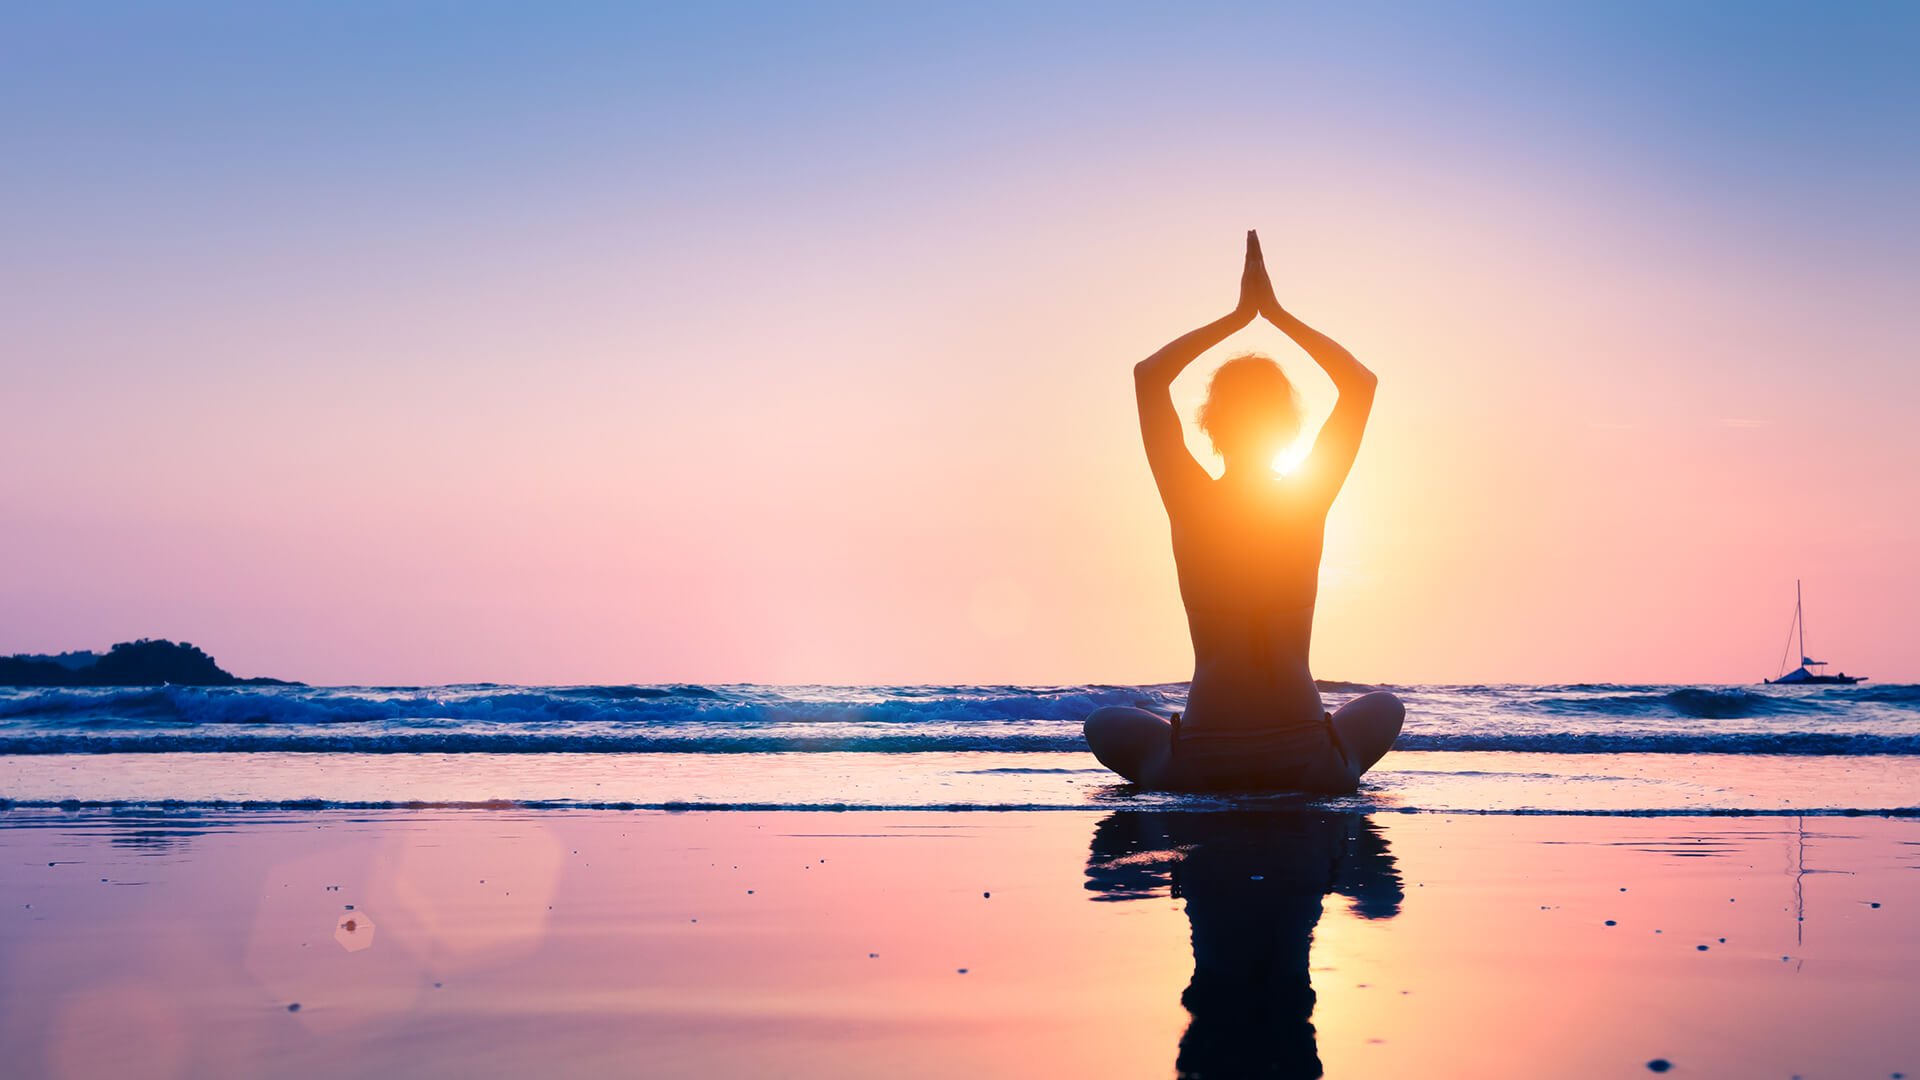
x,y
1802,676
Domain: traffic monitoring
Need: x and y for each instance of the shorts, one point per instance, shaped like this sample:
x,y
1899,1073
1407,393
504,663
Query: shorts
x,y
1306,757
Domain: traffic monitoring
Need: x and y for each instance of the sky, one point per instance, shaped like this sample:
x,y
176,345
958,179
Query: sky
x,y
449,342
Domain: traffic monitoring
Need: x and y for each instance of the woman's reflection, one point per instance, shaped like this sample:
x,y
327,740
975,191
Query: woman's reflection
x,y
1253,883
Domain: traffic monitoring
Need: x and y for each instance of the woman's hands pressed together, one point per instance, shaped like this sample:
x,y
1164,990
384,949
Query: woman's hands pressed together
x,y
1256,290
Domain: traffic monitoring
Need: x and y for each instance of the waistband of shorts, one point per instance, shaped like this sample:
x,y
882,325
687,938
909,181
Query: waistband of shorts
x,y
1185,734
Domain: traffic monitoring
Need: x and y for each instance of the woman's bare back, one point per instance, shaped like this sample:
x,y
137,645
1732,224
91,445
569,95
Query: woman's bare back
x,y
1248,556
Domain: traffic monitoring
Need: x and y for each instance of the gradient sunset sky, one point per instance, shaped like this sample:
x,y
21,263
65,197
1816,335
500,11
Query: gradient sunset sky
x,y
418,343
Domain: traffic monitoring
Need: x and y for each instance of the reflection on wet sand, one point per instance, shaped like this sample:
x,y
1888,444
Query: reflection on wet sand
x,y
1253,883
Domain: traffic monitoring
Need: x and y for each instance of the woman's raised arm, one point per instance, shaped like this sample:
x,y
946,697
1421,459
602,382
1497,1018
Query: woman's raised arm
x,y
1174,469
1338,443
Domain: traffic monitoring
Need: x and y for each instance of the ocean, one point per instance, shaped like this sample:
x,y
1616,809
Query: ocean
x,y
1581,748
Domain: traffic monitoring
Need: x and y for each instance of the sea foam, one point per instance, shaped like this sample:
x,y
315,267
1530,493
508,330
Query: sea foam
x,y
748,719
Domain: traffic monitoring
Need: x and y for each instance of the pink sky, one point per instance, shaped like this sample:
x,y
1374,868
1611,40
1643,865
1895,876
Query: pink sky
x,y
808,402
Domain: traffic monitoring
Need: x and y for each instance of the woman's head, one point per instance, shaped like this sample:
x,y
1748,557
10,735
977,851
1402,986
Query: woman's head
x,y
1251,412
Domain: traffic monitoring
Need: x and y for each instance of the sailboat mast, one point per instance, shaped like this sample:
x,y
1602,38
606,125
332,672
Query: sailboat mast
x,y
1800,616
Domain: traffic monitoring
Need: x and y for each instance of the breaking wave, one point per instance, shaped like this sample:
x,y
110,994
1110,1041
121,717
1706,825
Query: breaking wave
x,y
1571,719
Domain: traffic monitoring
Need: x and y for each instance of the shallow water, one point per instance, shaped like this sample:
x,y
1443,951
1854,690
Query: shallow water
x,y
876,944
1406,781
1572,749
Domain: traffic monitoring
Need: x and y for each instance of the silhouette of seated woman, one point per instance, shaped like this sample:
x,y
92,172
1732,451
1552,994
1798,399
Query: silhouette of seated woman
x,y
1247,547
1253,883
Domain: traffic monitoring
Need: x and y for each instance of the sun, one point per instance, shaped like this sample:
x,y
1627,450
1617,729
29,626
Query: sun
x,y
1289,459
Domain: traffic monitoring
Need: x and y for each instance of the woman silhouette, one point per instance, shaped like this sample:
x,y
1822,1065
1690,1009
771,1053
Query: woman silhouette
x,y
1247,549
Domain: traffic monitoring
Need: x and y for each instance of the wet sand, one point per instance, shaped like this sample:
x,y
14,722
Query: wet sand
x,y
889,943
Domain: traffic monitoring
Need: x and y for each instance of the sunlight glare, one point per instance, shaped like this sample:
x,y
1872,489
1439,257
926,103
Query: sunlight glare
x,y
1289,459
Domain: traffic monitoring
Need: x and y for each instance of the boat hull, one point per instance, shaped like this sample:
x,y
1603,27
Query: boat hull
x,y
1815,680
